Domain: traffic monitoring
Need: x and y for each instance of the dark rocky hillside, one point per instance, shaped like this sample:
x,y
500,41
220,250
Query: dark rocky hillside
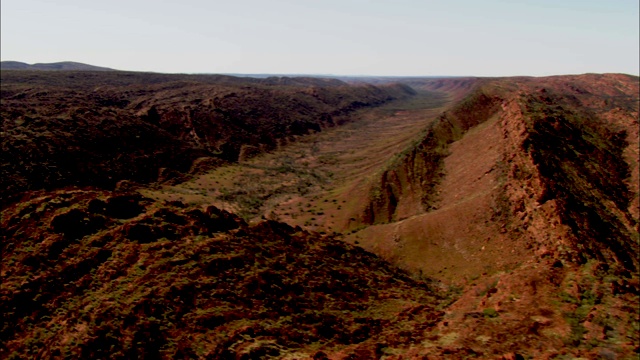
x,y
120,276
581,162
86,128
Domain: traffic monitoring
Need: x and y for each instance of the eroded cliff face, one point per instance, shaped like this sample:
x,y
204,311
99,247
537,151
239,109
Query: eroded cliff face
x,y
575,280
408,186
562,174
581,165
533,218
524,211
239,122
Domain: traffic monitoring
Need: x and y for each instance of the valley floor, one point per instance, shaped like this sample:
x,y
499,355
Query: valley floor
x,y
319,180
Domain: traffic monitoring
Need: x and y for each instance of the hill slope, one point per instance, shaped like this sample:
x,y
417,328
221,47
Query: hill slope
x,y
123,276
89,128
58,66
520,215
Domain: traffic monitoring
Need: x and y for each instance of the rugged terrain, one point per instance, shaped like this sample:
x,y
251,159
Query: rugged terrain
x,y
122,276
97,128
152,215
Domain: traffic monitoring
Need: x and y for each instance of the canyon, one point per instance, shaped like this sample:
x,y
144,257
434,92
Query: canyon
x,y
209,216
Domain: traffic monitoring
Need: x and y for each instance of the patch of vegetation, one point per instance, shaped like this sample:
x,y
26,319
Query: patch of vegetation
x,y
490,313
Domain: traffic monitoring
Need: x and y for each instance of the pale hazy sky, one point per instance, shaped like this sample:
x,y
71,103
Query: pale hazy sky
x,y
342,37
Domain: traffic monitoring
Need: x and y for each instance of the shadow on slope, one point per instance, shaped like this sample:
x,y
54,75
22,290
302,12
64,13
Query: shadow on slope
x,y
96,128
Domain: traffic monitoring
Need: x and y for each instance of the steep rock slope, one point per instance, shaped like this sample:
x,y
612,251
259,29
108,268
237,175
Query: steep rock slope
x,y
524,222
414,175
568,145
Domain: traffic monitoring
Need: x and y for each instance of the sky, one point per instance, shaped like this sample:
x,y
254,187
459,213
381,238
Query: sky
x,y
337,37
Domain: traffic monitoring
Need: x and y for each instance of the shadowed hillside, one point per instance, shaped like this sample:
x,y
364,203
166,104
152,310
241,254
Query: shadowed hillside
x,y
86,128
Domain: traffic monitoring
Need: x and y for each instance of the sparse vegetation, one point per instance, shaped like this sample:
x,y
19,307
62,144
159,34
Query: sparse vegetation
x,y
138,295
531,238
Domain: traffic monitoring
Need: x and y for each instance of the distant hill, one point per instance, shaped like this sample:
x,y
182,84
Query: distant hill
x,y
65,65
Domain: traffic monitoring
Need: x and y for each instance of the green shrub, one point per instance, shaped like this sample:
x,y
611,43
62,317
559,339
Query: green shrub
x,y
490,313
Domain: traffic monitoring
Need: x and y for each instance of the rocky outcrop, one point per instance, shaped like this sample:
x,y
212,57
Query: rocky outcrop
x,y
407,187
581,165
154,284
535,221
